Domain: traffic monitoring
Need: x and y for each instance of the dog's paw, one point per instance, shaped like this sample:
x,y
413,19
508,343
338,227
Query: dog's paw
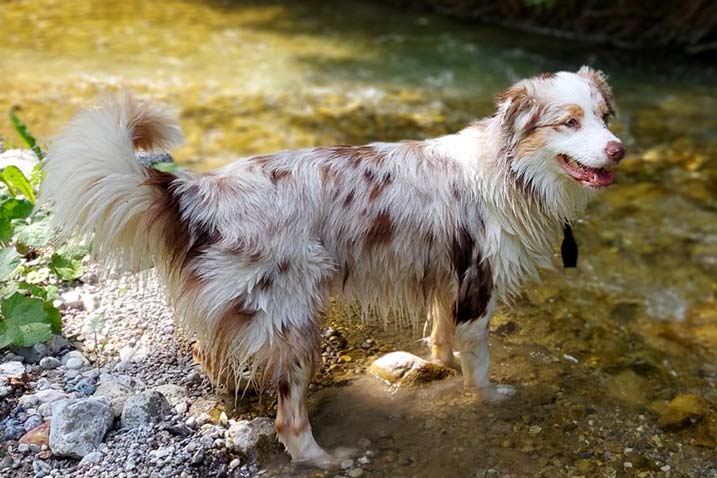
x,y
495,393
327,460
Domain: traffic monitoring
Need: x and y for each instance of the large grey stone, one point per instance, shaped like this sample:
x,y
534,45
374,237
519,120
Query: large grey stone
x,y
33,354
11,371
143,409
79,426
175,394
255,439
117,388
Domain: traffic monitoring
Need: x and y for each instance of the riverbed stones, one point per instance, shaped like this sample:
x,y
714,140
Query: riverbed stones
x,y
403,368
682,411
144,408
78,426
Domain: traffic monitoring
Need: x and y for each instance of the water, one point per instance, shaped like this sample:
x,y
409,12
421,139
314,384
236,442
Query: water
x,y
251,78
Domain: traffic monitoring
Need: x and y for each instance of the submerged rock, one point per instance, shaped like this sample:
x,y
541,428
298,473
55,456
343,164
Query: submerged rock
x,y
681,412
628,388
79,426
404,368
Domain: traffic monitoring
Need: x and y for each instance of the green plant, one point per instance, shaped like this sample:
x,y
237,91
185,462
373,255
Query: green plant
x,y
31,270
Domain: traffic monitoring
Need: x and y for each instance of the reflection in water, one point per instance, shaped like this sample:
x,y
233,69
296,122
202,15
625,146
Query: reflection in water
x,y
640,312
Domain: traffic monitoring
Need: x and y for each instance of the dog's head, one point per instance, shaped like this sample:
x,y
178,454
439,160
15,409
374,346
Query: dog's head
x,y
556,131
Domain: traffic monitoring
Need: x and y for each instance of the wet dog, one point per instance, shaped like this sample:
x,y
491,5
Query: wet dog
x,y
250,253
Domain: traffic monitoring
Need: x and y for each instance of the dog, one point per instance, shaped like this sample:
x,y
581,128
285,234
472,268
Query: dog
x,y
250,253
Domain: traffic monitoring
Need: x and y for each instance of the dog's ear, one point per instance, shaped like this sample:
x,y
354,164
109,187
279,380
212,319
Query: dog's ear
x,y
598,80
518,112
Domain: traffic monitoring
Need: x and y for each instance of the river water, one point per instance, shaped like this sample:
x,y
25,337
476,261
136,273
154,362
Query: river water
x,y
634,327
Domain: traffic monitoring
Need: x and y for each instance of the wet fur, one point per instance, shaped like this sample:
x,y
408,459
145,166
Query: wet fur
x,y
251,253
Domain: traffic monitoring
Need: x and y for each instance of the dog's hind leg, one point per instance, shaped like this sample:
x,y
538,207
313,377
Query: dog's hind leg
x,y
471,340
442,332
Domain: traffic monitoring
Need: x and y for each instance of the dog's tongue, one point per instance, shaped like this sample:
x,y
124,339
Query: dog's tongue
x,y
598,177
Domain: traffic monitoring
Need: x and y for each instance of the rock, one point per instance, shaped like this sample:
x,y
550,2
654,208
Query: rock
x,y
73,354
50,363
85,387
255,439
71,300
41,468
11,371
175,394
50,395
57,344
40,435
24,159
91,458
79,426
47,409
628,388
11,429
31,422
346,464
681,412
144,408
355,473
204,408
407,369
33,354
75,363
4,391
29,400
117,388
126,353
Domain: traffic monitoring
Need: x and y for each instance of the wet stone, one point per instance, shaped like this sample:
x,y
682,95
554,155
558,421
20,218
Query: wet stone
x,y
407,369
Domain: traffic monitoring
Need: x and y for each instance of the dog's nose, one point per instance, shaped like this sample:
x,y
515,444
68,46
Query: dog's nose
x,y
615,151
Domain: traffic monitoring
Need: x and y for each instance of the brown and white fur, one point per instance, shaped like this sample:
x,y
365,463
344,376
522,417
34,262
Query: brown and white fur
x,y
250,253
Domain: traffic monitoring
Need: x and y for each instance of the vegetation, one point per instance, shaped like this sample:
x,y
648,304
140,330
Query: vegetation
x,y
31,271
686,25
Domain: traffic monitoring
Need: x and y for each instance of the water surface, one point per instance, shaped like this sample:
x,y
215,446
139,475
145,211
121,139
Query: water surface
x,y
249,78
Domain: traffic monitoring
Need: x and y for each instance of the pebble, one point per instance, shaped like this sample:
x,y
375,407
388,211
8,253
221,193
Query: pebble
x,y
234,463
33,354
85,387
346,464
23,447
74,363
91,458
355,473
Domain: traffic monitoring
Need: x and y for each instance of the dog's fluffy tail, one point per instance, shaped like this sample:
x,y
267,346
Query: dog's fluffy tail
x,y
96,185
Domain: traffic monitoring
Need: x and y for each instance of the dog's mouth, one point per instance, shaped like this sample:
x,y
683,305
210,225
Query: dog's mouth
x,y
595,178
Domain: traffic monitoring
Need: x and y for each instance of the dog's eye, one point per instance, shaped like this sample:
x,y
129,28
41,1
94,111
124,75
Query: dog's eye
x,y
571,123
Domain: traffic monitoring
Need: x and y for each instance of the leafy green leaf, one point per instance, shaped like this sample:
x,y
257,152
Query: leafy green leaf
x,y
36,234
29,334
14,179
53,317
166,167
21,310
9,262
25,134
6,230
66,268
14,208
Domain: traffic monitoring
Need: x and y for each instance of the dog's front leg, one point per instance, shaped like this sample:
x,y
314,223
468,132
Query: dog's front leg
x,y
471,340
